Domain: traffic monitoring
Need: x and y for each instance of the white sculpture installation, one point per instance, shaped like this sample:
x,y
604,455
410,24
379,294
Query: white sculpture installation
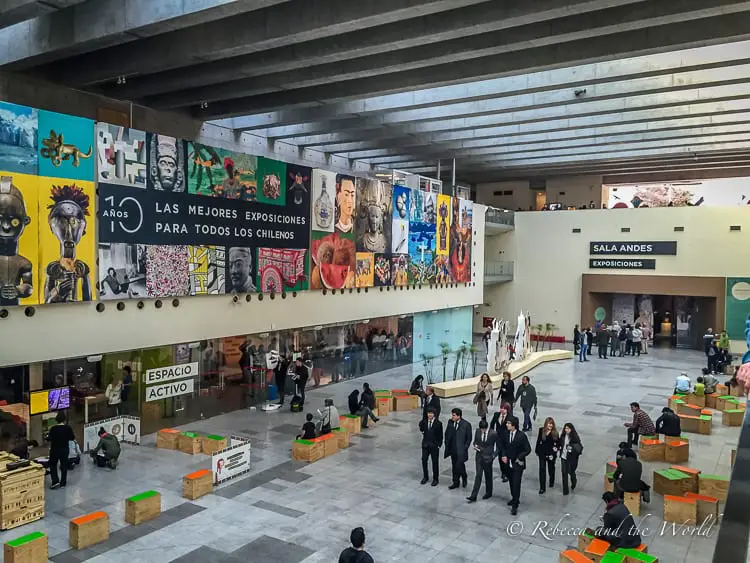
x,y
522,341
498,357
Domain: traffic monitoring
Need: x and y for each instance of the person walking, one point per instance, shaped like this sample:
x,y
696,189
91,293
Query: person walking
x,y
570,450
457,442
622,339
60,436
527,393
646,330
547,447
432,440
603,341
498,425
589,341
507,389
641,425
514,449
483,395
113,392
431,401
576,340
356,553
637,338
583,348
485,446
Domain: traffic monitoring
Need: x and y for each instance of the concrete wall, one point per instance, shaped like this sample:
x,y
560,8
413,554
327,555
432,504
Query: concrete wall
x,y
568,190
521,195
550,259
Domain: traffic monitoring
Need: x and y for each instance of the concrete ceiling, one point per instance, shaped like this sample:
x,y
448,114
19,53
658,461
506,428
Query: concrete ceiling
x,y
508,89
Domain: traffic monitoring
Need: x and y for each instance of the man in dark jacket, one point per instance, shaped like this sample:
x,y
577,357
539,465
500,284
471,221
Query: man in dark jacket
x,y
485,445
59,439
618,526
668,423
109,446
356,553
514,449
367,405
432,439
589,340
602,337
527,393
457,441
627,476
431,401
576,339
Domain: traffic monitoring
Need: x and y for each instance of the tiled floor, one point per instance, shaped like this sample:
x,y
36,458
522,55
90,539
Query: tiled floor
x,y
287,512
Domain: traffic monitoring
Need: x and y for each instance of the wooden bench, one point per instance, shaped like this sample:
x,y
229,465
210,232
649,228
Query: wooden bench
x,y
597,549
330,444
351,423
711,400
651,450
689,409
212,443
197,484
402,403
573,556
342,435
671,482
680,509
732,417
693,475
189,443
676,450
636,556
609,486
633,502
142,507
715,486
708,508
694,399
307,450
383,405
585,538
696,424
675,401
167,438
722,400
88,529
31,548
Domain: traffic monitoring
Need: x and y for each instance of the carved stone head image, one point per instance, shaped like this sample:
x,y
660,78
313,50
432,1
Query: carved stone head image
x,y
166,164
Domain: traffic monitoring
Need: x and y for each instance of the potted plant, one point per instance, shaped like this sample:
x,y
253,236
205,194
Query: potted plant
x,y
444,351
538,329
551,329
427,365
473,351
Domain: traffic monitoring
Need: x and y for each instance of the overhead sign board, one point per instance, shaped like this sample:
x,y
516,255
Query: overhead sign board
x,y
622,263
634,248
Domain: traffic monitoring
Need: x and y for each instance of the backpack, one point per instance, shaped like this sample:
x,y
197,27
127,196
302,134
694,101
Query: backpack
x,y
296,404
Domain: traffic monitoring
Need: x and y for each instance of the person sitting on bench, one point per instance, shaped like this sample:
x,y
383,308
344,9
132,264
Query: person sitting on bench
x,y
710,381
308,429
627,476
682,383
618,527
668,423
107,451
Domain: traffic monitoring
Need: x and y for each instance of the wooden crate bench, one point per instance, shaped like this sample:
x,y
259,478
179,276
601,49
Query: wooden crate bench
x,y
189,443
88,529
585,538
573,556
212,443
609,486
689,409
402,403
597,549
722,400
307,450
330,444
651,450
694,475
167,438
708,508
671,482
31,548
351,423
383,405
711,400
142,507
694,399
676,450
21,493
675,401
342,435
732,417
680,509
197,484
633,502
612,557
635,556
715,486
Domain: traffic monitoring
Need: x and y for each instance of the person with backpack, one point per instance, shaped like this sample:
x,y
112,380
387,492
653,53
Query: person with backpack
x,y
329,417
570,450
356,553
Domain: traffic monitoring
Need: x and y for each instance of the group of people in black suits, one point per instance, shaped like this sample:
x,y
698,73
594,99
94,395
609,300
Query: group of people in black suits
x,y
502,440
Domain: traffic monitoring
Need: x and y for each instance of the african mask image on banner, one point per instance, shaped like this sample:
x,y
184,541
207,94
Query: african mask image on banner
x,y
66,146
324,200
373,218
165,163
272,181
19,245
122,271
334,261
400,270
365,269
221,173
120,155
207,270
443,225
282,269
67,249
19,130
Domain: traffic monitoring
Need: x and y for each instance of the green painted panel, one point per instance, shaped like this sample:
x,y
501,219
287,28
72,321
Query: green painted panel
x,y
143,496
737,307
25,539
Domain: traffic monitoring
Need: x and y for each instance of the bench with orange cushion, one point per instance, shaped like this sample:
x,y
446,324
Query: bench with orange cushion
x,y
573,556
88,529
197,484
681,510
597,549
694,476
651,450
708,508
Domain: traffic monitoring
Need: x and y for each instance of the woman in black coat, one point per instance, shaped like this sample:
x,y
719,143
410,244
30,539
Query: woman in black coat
x,y
547,446
354,402
507,391
570,450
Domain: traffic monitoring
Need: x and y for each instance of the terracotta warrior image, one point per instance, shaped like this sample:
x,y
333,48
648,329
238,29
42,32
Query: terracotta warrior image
x,y
67,221
15,270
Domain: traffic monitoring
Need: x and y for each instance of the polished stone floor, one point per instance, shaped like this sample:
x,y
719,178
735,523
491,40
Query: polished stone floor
x,y
288,512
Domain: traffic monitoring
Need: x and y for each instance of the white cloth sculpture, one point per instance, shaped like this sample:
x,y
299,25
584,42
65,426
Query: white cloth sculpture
x,y
497,349
522,341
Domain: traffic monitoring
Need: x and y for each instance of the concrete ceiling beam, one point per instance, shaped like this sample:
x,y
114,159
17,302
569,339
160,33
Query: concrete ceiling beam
x,y
17,11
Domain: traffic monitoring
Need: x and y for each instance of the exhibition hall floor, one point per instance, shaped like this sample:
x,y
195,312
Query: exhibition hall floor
x,y
289,512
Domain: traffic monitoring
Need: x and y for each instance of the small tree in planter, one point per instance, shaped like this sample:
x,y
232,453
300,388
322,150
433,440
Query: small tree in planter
x,y
445,352
458,352
427,365
473,351
538,329
551,329
465,359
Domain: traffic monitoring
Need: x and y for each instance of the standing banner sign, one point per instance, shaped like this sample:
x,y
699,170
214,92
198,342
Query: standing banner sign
x,y
126,428
231,462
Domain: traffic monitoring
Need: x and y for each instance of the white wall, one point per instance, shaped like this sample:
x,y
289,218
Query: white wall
x,y
550,259
575,190
71,330
521,197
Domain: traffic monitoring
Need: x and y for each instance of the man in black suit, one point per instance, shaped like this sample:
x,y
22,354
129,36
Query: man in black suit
x,y
498,425
485,442
514,449
432,439
431,401
457,441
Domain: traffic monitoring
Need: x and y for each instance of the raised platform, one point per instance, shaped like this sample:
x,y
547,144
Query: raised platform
x,y
516,369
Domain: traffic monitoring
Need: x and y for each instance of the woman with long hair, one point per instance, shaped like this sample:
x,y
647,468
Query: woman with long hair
x,y
570,450
483,396
547,446
507,389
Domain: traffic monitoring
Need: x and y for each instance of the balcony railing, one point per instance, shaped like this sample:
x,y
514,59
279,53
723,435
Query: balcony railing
x,y
496,272
500,217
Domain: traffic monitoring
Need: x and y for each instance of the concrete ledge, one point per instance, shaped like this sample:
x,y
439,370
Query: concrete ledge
x,y
516,369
